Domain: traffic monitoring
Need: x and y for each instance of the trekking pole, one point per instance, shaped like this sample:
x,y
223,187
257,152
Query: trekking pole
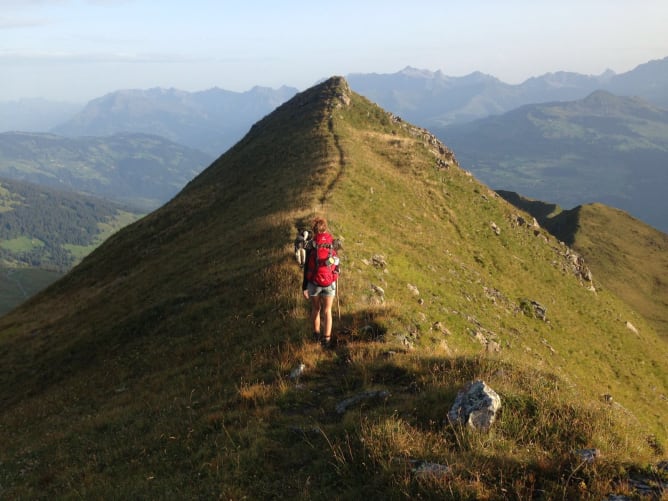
x,y
338,292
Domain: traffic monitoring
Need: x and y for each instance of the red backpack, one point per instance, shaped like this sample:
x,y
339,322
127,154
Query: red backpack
x,y
323,264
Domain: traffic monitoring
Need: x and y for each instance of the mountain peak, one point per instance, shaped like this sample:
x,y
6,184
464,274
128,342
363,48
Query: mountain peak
x,y
177,334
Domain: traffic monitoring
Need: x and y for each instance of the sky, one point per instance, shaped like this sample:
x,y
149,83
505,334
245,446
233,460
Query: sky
x,y
77,50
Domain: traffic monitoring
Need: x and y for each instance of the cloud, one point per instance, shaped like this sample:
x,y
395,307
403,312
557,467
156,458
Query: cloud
x,y
26,4
110,3
9,57
17,23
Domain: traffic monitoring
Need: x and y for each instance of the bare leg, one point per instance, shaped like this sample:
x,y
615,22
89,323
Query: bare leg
x,y
315,313
326,308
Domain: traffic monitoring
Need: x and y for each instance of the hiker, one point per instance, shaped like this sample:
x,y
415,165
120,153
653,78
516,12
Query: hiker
x,y
303,237
319,284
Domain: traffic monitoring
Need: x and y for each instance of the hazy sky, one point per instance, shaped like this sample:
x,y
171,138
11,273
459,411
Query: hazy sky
x,y
76,50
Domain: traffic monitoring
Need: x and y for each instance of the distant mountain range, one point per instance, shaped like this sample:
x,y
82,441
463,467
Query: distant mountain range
x,y
214,119
432,99
138,169
603,148
210,121
578,169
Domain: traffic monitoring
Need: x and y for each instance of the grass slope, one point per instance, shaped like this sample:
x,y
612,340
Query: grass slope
x,y
626,255
160,366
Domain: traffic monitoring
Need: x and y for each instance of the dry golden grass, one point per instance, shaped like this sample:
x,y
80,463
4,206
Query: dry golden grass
x,y
160,367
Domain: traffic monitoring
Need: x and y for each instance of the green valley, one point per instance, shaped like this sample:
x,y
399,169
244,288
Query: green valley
x,y
604,148
44,232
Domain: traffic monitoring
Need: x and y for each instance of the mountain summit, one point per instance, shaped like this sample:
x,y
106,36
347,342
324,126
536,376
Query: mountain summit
x,y
175,360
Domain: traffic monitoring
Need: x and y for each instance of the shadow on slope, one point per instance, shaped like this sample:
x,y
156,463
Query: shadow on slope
x,y
625,254
160,366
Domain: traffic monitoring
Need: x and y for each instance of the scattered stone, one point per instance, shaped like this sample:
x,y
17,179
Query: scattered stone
x,y
495,228
427,469
631,327
493,347
575,264
588,455
442,164
379,261
439,327
480,337
297,371
544,341
533,309
483,336
413,289
342,407
406,341
492,293
378,290
476,406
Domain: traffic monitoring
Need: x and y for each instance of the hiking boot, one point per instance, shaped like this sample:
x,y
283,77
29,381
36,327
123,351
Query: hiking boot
x,y
327,344
316,337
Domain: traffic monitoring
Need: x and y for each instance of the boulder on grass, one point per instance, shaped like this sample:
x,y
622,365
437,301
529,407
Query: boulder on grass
x,y
476,406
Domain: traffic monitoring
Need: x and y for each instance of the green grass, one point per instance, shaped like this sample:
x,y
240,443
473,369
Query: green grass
x,y
21,244
159,367
106,229
627,256
18,284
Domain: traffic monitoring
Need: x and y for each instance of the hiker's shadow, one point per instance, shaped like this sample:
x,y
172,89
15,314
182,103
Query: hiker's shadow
x,y
360,326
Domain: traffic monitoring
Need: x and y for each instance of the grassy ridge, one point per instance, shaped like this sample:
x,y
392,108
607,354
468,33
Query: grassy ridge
x,y
626,255
631,257
160,366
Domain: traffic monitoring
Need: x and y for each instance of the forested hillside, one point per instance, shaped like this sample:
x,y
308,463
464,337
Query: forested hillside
x,y
44,232
51,229
138,169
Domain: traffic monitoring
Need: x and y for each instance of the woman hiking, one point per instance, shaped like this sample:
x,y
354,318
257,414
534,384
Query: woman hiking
x,y
319,284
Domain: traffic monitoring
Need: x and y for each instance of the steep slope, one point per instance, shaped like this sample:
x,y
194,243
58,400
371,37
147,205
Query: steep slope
x,y
626,255
603,148
160,366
